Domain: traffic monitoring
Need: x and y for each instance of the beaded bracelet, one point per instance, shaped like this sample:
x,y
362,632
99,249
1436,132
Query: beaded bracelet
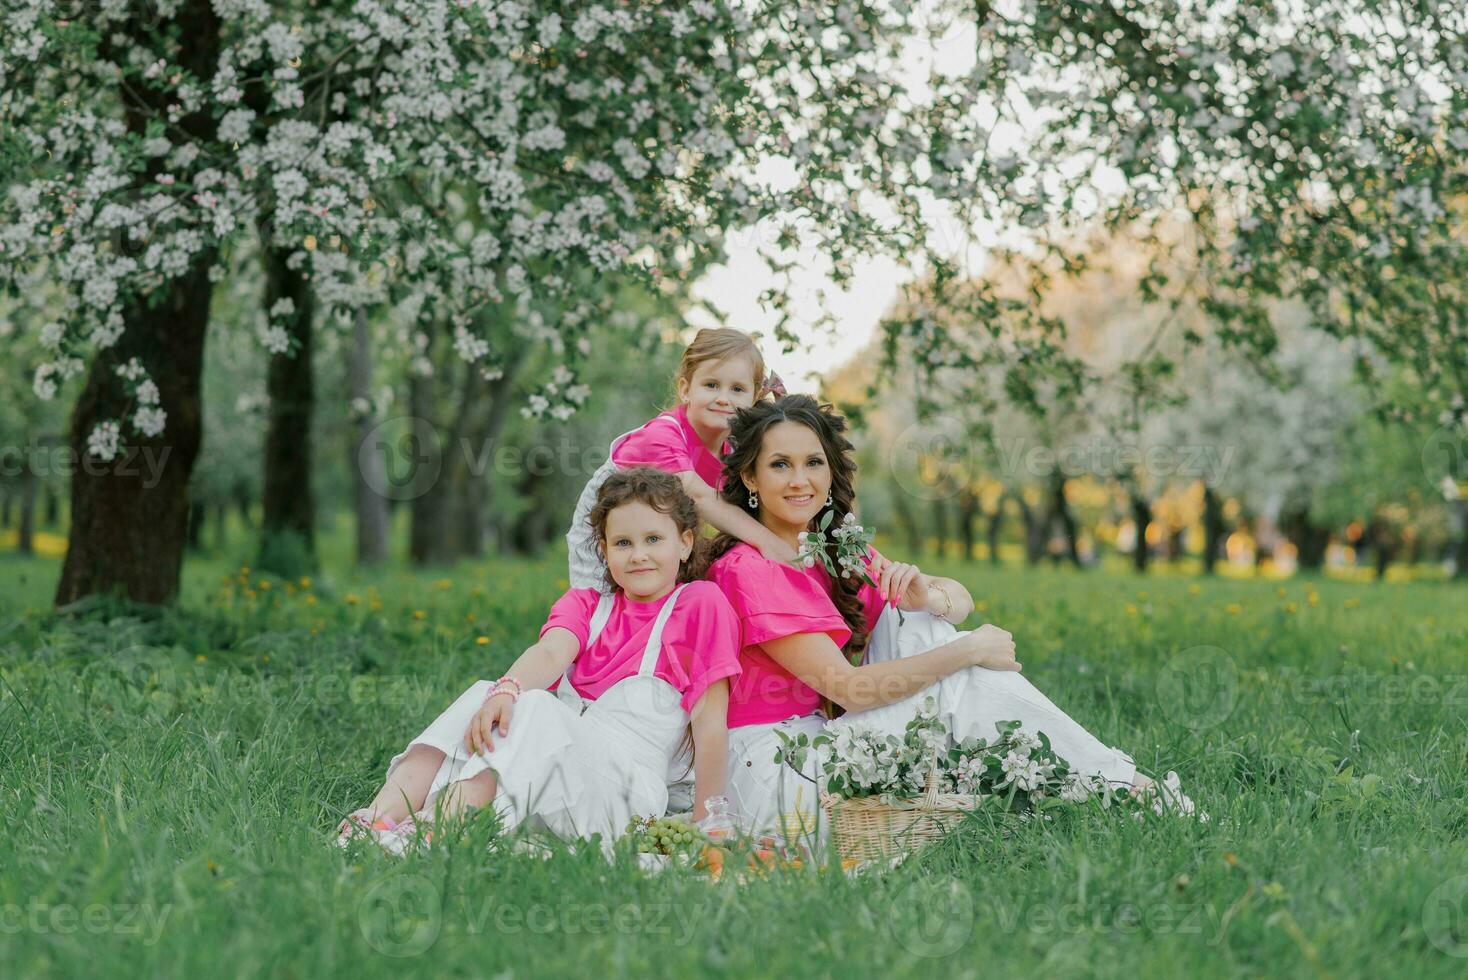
x,y
947,600
503,685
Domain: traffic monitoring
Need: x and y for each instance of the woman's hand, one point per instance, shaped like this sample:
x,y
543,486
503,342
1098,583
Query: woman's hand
x,y
991,647
899,582
496,710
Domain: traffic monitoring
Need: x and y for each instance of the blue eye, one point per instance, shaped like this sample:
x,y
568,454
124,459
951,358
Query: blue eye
x,y
654,537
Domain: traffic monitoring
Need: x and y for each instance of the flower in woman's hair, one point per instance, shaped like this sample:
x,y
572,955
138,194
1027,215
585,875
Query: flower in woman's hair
x,y
772,385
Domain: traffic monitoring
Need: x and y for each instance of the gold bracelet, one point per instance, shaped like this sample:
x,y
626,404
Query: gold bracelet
x,y
947,600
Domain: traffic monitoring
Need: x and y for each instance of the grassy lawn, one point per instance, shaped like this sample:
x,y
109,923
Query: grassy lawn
x,y
170,782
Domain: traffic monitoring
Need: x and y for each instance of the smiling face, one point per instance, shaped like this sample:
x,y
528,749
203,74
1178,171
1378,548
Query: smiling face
x,y
643,549
792,475
717,390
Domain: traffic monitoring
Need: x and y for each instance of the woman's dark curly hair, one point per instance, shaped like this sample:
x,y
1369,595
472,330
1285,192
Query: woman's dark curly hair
x,y
746,438
659,490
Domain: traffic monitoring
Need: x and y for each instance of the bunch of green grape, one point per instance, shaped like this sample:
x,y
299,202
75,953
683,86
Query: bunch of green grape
x,y
664,835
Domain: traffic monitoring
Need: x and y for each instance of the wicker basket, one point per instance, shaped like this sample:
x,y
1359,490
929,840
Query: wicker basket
x,y
864,827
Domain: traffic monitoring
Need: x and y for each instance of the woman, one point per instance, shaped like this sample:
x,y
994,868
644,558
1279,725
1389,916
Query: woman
x,y
806,637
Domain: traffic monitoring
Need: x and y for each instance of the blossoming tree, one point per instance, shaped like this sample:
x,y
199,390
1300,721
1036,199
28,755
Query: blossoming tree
x,y
141,142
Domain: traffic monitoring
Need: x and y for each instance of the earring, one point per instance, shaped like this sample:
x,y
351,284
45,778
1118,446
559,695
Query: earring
x,y
828,498
753,500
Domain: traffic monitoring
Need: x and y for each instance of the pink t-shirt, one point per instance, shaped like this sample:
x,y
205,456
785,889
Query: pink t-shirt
x,y
700,642
773,600
670,443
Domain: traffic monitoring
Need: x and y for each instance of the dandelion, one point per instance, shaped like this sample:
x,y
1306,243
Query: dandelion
x,y
443,585
1131,610
305,581
310,600
419,614
1233,608
1194,589
1291,607
200,659
352,598
1352,603
1313,598
481,641
263,585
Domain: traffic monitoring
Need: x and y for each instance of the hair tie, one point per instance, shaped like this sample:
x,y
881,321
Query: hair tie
x,y
772,384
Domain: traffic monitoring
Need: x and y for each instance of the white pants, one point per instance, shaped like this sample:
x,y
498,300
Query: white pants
x,y
575,774
772,796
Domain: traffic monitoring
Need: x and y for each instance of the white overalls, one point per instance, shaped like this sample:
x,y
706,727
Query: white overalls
x,y
576,767
970,702
587,568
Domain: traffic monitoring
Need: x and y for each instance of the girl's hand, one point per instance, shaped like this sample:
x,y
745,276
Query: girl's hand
x,y
780,552
991,647
496,710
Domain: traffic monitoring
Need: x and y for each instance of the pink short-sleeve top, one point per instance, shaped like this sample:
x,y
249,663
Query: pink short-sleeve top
x,y
771,600
700,643
670,443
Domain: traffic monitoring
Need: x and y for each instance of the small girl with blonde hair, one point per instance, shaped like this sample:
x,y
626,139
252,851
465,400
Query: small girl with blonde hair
x,y
721,372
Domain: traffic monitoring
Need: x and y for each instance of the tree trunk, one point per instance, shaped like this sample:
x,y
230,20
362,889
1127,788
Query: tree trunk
x,y
430,509
7,508
968,512
1212,528
1141,516
1060,511
25,536
197,513
368,469
287,505
129,516
940,526
996,522
1034,532
1460,545
908,522
53,506
128,521
1310,540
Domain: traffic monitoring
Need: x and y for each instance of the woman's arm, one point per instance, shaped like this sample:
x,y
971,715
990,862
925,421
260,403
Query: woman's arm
x,y
913,591
710,746
819,664
733,520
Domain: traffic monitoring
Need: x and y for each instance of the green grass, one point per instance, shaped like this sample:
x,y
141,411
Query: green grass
x,y
169,783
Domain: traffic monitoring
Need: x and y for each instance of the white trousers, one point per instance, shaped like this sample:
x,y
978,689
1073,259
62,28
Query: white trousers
x,y
971,702
574,774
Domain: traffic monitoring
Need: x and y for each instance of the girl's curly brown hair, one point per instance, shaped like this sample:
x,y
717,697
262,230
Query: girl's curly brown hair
x,y
746,437
659,490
